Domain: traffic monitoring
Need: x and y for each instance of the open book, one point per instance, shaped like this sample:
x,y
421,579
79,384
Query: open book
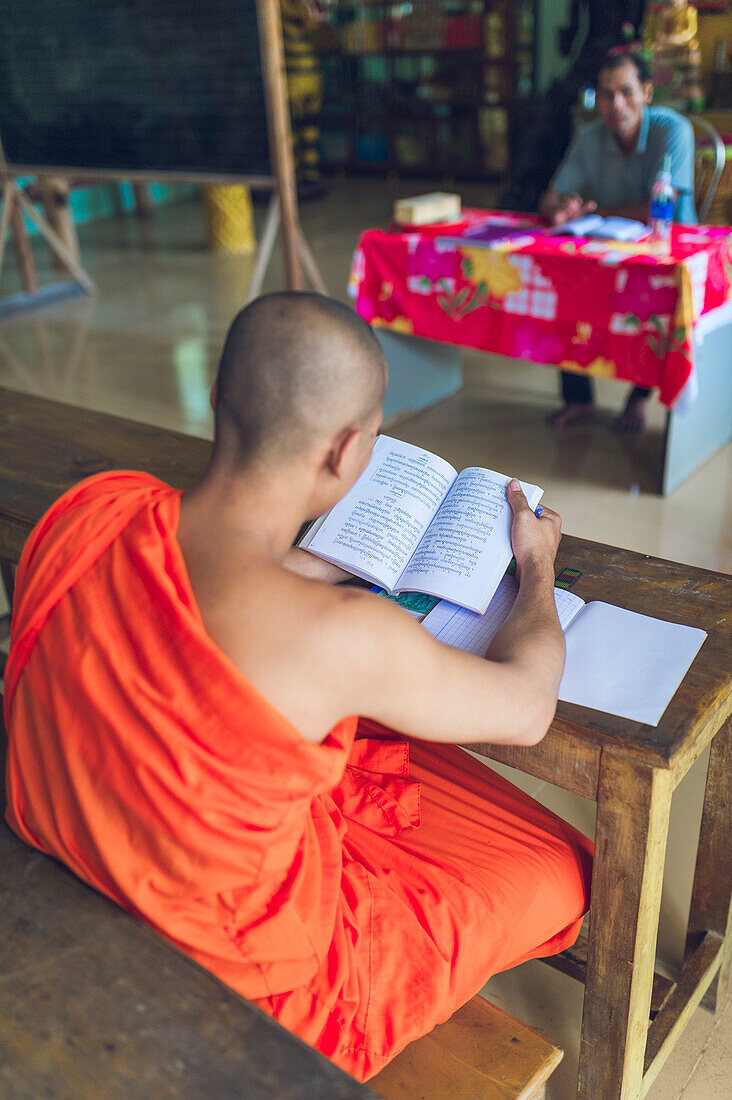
x,y
617,661
593,225
411,523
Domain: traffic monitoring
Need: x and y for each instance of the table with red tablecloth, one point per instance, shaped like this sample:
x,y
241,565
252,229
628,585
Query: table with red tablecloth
x,y
599,307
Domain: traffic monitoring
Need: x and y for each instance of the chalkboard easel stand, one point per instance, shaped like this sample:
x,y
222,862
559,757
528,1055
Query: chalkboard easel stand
x,y
266,247
282,211
13,204
269,21
261,25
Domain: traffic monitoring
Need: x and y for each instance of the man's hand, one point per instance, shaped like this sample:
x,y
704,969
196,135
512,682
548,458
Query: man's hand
x,y
535,539
571,207
558,209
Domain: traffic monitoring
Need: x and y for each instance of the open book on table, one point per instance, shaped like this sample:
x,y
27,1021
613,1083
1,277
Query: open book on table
x,y
411,523
594,225
618,661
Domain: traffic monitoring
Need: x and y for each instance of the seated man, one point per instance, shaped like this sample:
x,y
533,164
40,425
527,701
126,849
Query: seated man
x,y
611,167
182,699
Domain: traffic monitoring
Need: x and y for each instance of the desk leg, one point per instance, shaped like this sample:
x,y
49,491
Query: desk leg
x,y
712,891
633,803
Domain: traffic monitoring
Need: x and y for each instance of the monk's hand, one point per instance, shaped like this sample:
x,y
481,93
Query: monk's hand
x,y
535,539
571,207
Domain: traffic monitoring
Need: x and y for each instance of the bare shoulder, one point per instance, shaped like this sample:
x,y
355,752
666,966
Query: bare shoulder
x,y
320,653
347,631
364,626
309,647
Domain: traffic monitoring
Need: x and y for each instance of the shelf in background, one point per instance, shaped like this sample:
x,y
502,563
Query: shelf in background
x,y
396,51
374,116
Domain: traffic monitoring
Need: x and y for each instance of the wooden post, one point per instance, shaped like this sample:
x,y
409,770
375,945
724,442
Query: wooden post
x,y
280,136
266,245
22,247
6,206
143,203
712,891
56,206
632,825
58,246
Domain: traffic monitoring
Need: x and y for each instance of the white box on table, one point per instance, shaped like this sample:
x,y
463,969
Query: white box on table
x,y
435,206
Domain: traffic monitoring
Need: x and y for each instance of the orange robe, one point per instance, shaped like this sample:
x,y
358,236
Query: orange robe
x,y
360,889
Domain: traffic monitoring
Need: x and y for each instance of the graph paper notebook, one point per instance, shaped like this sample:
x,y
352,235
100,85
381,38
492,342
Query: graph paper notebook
x,y
412,523
617,661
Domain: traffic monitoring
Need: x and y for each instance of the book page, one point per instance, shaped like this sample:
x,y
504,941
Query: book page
x,y
578,227
621,229
625,663
377,525
593,225
467,547
464,629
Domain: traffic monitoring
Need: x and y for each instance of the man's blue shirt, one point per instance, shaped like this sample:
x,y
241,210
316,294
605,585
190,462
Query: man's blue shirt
x,y
596,167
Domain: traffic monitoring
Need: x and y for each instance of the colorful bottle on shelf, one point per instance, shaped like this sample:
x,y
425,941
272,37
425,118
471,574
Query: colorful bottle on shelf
x,y
661,218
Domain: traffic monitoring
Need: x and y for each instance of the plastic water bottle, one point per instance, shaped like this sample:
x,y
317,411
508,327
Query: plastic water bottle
x,y
587,97
663,198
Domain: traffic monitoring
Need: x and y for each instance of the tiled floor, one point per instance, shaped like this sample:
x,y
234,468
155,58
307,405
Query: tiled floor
x,y
147,346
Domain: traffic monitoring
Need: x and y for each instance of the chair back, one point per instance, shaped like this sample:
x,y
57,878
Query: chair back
x,y
709,161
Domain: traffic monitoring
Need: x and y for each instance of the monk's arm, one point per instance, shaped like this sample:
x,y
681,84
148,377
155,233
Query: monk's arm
x,y
404,678
532,638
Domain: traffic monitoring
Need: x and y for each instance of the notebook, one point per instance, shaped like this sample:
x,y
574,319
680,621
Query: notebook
x,y
489,233
618,661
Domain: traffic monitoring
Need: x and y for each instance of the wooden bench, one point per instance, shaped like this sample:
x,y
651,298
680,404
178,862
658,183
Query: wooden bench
x,y
93,1002
480,1053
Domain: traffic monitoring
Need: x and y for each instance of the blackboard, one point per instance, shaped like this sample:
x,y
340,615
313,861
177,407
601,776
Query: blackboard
x,y
152,86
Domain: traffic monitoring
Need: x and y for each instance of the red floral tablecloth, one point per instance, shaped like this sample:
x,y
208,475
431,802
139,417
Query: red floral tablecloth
x,y
595,307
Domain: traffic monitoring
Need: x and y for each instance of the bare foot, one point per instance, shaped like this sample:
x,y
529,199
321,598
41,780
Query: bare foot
x,y
633,417
573,413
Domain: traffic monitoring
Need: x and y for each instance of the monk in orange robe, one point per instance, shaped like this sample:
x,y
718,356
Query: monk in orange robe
x,y
183,697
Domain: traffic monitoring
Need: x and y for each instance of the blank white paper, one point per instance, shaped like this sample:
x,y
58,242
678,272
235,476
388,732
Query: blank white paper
x,y
625,663
617,661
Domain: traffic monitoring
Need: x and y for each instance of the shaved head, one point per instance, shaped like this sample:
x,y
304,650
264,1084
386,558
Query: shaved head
x,y
295,368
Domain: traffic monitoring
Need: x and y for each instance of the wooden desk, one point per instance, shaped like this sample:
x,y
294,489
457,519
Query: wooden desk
x,y
629,768
47,447
95,1004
